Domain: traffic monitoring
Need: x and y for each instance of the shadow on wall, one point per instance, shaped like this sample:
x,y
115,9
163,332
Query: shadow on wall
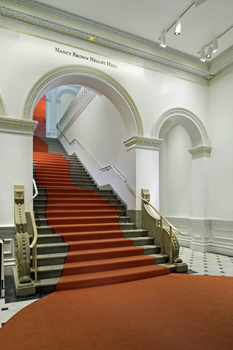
x,y
40,116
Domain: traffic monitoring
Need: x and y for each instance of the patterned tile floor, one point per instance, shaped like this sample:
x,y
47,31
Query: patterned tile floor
x,y
199,264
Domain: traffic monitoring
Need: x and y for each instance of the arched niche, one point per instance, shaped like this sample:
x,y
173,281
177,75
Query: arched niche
x,y
190,122
65,91
90,78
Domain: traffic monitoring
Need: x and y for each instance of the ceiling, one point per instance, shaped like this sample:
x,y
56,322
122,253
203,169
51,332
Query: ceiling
x,y
149,18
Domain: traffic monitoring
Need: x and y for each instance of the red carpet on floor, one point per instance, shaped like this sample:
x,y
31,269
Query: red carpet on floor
x,y
98,254
172,312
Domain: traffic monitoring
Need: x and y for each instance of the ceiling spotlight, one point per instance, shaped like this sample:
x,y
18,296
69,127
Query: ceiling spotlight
x,y
177,28
199,2
163,41
215,45
209,52
202,55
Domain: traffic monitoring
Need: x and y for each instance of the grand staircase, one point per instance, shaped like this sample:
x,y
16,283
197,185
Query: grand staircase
x,y
84,236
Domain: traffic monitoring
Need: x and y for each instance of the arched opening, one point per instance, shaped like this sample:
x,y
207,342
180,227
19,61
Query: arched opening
x,y
92,79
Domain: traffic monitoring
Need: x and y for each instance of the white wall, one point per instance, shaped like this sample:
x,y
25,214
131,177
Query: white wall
x,y
221,129
101,132
176,173
15,169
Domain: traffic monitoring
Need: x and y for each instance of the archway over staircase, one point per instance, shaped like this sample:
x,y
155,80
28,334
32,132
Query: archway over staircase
x,y
90,78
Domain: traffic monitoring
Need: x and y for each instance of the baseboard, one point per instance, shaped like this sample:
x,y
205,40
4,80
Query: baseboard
x,y
8,234
205,235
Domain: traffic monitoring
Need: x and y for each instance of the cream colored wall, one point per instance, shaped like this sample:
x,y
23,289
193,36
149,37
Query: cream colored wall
x,y
176,174
221,128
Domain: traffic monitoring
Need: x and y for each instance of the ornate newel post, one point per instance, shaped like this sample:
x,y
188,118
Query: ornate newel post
x,y
22,269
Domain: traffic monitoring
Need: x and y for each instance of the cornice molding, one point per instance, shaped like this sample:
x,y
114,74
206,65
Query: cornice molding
x,y
50,23
143,142
18,126
199,152
77,106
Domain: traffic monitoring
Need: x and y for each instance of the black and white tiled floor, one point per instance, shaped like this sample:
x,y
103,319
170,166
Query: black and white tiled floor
x,y
207,263
199,264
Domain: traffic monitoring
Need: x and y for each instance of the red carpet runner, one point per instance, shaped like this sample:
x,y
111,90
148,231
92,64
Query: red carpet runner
x,y
98,254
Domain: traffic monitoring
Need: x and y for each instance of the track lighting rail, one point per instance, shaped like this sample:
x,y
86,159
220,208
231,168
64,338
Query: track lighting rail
x,y
216,38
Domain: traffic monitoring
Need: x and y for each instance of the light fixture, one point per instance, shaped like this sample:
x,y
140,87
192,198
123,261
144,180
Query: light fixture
x,y
215,45
202,55
163,41
199,2
177,28
209,52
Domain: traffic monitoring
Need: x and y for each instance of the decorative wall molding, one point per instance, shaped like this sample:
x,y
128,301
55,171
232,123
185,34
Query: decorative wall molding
x,y
8,234
17,126
189,121
2,110
202,151
206,235
77,106
78,28
143,142
80,71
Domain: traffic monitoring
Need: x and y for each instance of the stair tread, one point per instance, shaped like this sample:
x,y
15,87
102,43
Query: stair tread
x,y
95,262
104,250
156,256
49,245
106,274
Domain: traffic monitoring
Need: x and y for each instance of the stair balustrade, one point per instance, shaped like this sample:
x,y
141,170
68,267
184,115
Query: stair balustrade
x,y
164,230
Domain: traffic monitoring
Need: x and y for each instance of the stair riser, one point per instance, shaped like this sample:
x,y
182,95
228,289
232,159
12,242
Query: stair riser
x,y
48,274
105,281
52,249
70,202
77,221
143,242
48,261
149,251
133,234
47,240
42,215
100,256
86,228
91,269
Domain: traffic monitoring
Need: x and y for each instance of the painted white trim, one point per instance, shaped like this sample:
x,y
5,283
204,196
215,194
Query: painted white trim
x,y
8,233
18,126
189,121
39,89
205,235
